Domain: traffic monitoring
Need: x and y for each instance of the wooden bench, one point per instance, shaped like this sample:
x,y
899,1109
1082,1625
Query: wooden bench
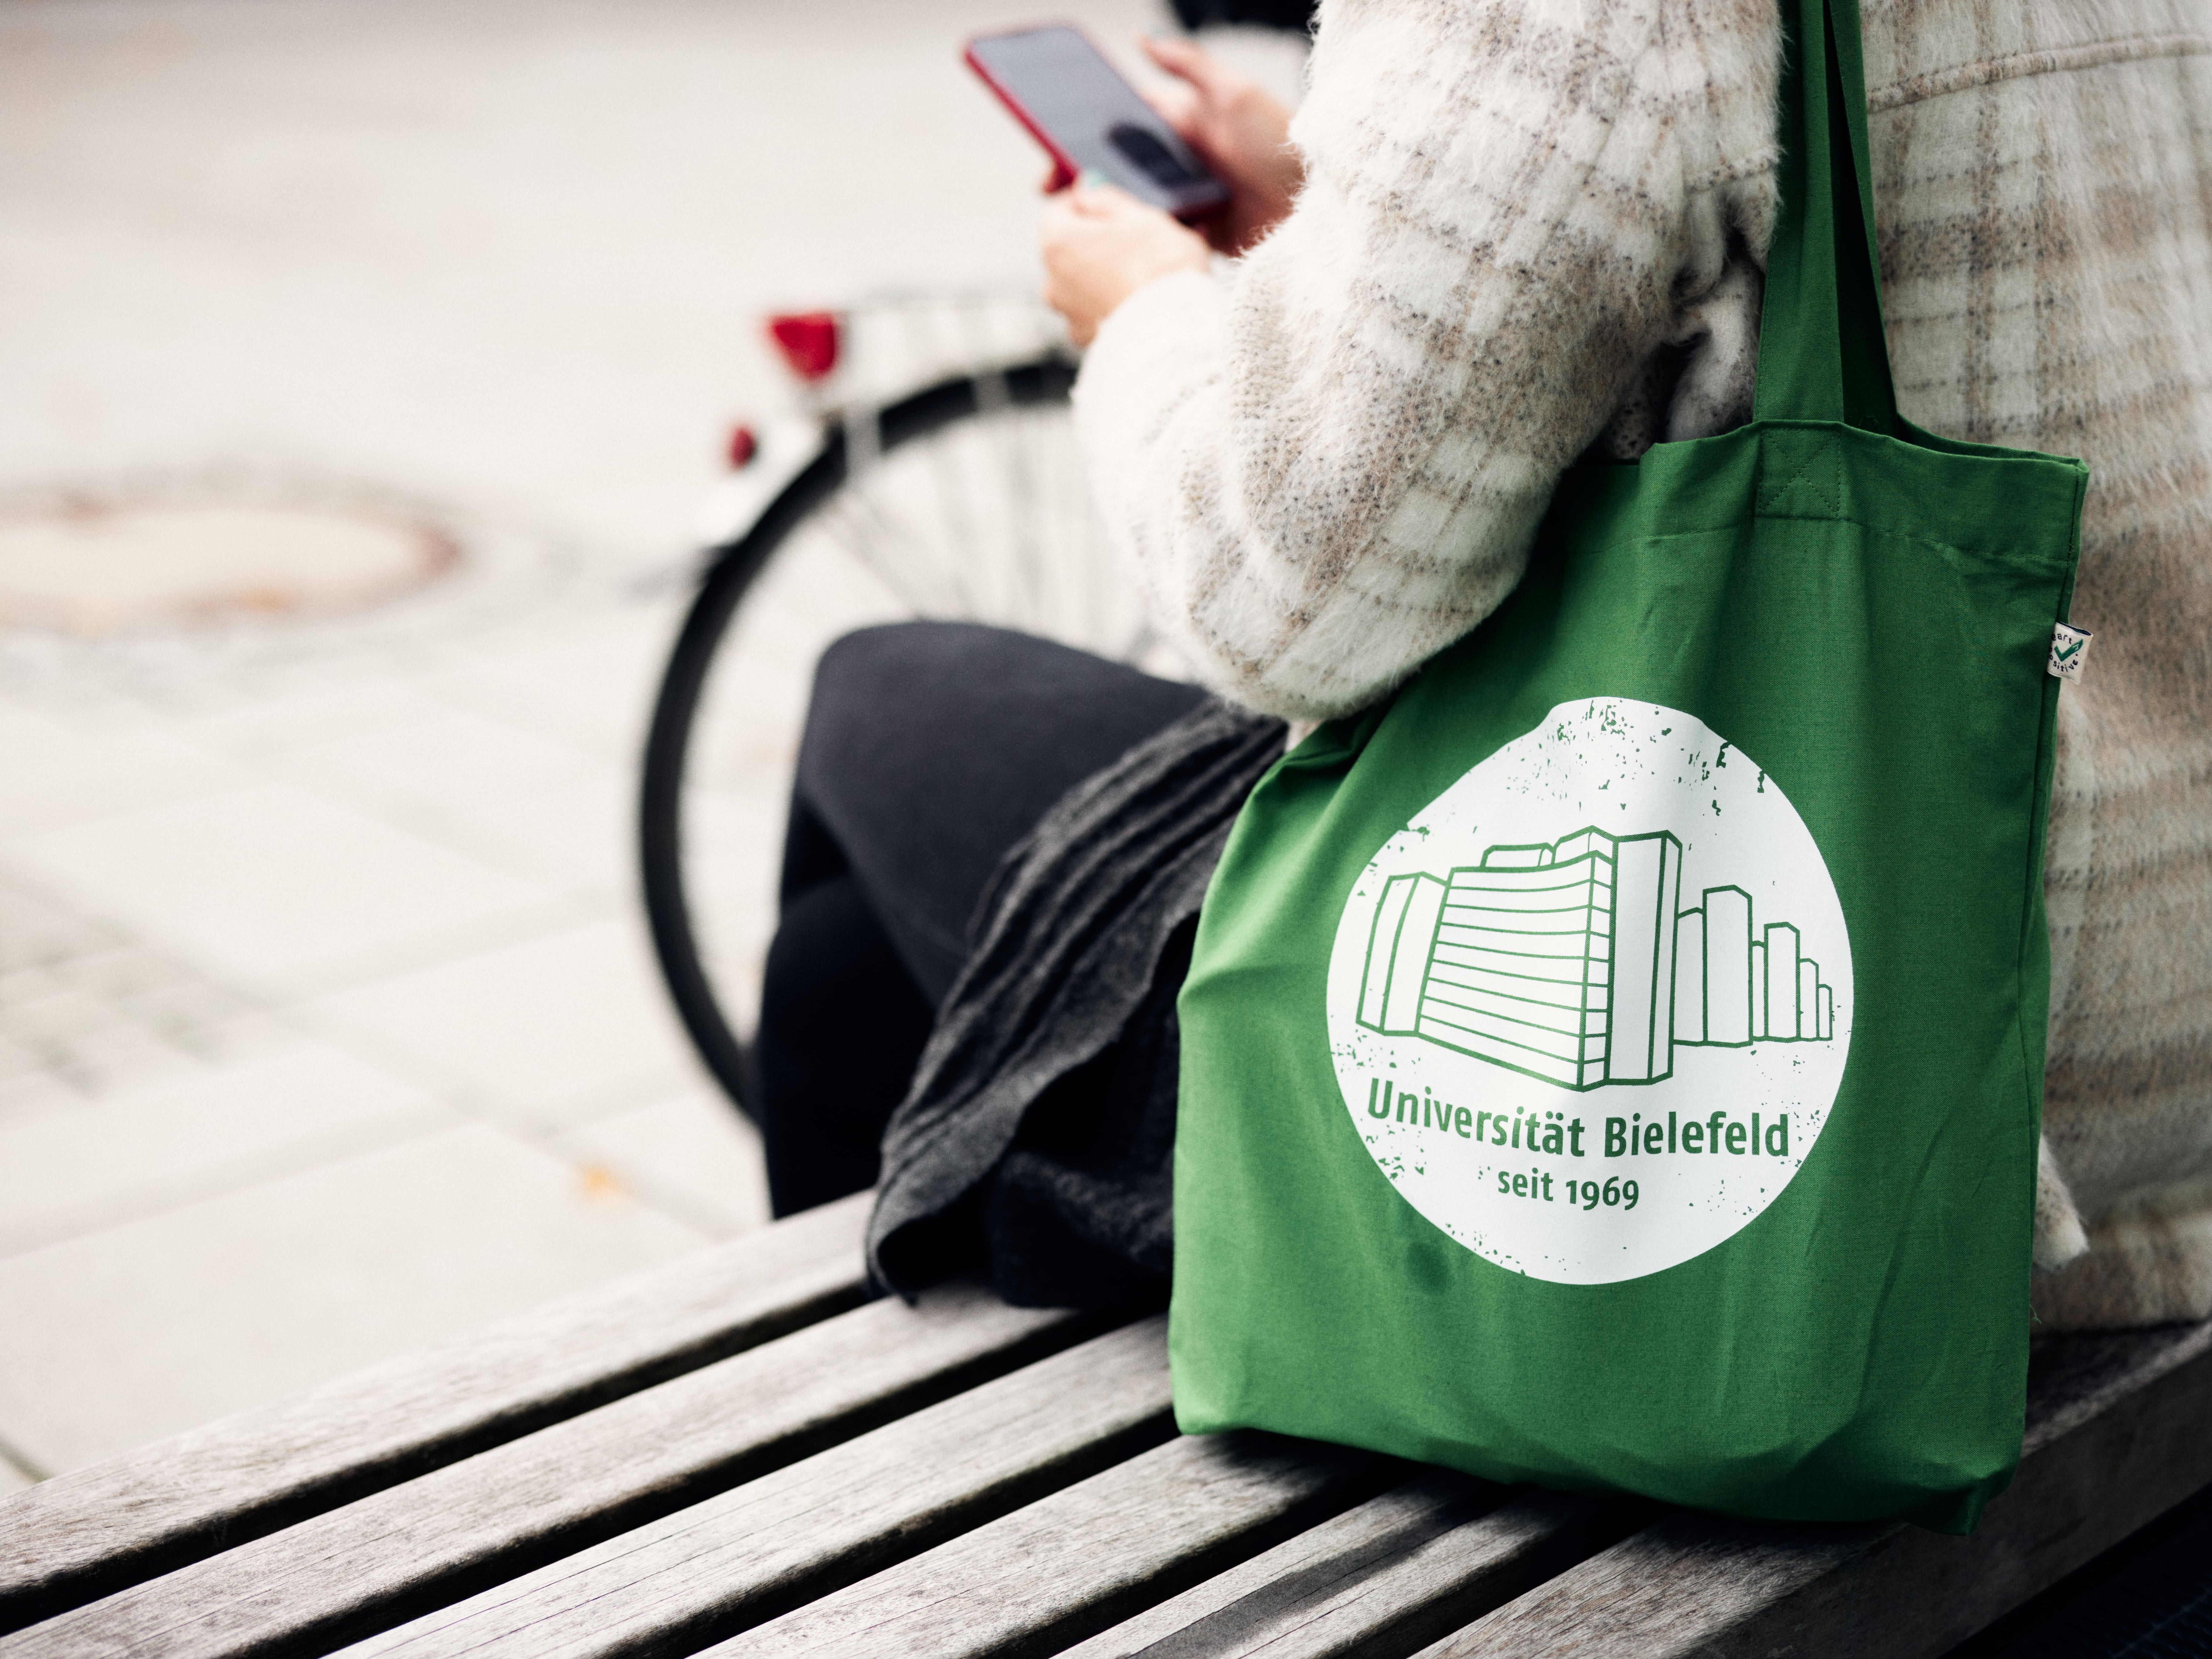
x,y
740,1454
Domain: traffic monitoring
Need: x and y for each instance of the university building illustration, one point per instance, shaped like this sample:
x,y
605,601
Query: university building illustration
x,y
1574,962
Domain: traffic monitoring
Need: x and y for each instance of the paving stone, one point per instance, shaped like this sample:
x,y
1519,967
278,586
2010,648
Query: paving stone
x,y
76,1036
56,771
143,1330
98,1011
117,973
18,1059
491,788
271,886
579,837
196,1015
34,935
58,1014
221,1042
131,1152
27,1093
114,1054
695,1155
587,681
546,1032
270,725
28,982
437,763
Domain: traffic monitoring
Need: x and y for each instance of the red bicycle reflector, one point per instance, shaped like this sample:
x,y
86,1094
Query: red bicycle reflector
x,y
744,444
808,341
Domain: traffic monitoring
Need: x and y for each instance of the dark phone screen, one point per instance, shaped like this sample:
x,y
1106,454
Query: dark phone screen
x,y
1096,116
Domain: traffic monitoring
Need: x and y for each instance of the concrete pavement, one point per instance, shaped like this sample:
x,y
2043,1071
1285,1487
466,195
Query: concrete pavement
x,y
327,1028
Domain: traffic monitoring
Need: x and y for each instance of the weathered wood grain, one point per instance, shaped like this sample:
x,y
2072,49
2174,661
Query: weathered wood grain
x,y
710,1570
2119,1430
83,1534
577,1448
1398,1570
1081,1559
383,1559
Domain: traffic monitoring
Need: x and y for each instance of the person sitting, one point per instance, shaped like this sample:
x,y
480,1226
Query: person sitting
x,y
1497,236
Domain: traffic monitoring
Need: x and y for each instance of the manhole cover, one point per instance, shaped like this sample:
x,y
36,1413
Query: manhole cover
x,y
89,567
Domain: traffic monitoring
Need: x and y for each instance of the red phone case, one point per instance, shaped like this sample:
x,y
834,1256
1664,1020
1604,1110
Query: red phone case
x,y
1064,170
1063,165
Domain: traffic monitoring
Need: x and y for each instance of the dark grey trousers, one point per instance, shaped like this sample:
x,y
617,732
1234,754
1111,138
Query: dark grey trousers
x,y
930,749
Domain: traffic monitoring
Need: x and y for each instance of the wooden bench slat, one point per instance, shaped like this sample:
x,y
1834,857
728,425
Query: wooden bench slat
x,y
85,1534
2119,1430
1084,1557
385,1558
710,1570
1399,1571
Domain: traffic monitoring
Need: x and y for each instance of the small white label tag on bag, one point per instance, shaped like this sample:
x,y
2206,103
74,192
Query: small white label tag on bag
x,y
2069,649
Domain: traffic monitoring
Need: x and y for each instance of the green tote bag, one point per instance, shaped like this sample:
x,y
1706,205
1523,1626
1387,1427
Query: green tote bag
x,y
1617,1062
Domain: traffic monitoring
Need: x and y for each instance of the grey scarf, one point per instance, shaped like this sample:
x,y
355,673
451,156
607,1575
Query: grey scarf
x,y
1034,1145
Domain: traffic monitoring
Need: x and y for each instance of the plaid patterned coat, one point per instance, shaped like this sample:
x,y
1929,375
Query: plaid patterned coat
x,y
1533,225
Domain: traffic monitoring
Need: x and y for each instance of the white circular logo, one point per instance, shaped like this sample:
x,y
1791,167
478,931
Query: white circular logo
x,y
1589,1009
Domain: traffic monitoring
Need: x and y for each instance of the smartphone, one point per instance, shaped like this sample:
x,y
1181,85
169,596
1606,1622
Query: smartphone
x,y
1091,120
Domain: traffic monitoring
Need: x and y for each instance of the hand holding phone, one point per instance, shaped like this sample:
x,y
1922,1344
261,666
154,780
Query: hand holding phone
x,y
1239,129
1090,119
1101,246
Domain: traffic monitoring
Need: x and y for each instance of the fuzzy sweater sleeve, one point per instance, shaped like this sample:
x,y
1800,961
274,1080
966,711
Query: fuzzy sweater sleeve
x,y
1330,461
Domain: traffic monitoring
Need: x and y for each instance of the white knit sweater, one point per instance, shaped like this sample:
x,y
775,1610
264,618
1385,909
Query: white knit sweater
x,y
1524,218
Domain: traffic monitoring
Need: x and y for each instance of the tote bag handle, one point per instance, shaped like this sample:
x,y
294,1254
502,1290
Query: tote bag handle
x,y
1821,352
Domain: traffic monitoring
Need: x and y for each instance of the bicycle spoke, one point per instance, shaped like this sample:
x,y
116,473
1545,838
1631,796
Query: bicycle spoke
x,y
855,524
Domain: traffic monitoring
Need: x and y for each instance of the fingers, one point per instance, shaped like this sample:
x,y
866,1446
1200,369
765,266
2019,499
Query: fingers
x,y
1088,204
1177,106
1093,200
1060,222
1095,209
1056,227
1184,59
1101,244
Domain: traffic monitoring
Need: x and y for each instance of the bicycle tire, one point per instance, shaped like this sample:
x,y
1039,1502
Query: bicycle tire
x,y
731,572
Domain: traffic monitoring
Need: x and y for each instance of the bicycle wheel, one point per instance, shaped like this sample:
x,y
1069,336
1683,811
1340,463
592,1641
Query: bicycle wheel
x,y
966,500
